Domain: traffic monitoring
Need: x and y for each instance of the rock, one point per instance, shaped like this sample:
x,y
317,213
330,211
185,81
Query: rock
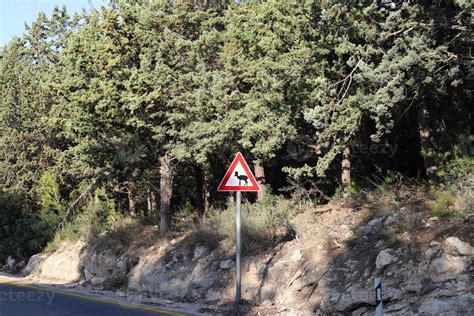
x,y
446,267
199,251
394,307
10,263
87,275
343,233
414,286
96,280
360,295
226,264
430,252
354,297
385,258
360,311
213,296
406,236
296,255
434,243
344,304
374,225
34,262
106,267
303,281
455,247
64,265
121,265
392,293
459,305
121,294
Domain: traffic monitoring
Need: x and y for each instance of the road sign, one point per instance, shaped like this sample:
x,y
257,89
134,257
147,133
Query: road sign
x,y
239,177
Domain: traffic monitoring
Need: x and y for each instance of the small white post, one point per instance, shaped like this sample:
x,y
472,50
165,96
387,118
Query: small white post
x,y
238,248
378,297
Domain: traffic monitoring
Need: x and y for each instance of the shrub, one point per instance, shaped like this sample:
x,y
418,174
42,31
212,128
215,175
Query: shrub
x,y
262,224
98,217
20,234
455,197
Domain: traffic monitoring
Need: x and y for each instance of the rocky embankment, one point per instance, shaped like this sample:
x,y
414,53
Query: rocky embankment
x,y
426,266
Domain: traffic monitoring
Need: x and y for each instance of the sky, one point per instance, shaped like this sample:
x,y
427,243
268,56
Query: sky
x,y
14,13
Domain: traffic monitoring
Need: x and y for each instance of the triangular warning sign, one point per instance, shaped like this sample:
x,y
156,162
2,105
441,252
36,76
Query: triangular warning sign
x,y
239,177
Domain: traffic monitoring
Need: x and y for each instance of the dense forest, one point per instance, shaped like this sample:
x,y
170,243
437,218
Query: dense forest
x,y
134,110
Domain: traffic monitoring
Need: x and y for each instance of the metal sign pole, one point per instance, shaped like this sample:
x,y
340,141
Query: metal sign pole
x,y
378,297
238,247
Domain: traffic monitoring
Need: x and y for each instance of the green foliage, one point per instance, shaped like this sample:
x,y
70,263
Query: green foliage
x,y
99,217
351,191
455,198
186,212
20,234
444,204
48,192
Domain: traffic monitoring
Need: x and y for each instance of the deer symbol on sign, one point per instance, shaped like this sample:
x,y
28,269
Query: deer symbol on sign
x,y
242,178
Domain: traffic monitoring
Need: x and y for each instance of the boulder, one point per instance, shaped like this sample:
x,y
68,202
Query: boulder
x,y
446,267
106,267
213,296
345,303
359,312
455,247
199,251
226,264
11,262
354,297
64,265
458,305
374,225
385,258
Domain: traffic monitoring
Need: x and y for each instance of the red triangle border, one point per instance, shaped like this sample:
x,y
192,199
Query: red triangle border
x,y
252,188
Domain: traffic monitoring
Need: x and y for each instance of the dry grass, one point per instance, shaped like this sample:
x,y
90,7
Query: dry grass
x,y
263,224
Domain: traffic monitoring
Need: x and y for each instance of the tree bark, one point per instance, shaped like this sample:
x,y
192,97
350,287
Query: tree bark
x,y
132,199
148,201
200,191
165,193
260,176
426,141
346,167
151,201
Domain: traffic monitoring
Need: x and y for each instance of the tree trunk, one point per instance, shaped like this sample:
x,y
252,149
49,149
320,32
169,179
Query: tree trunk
x,y
148,201
426,141
201,191
165,190
132,200
260,176
346,168
151,201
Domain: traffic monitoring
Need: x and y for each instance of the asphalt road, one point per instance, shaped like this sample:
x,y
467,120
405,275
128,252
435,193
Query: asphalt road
x,y
30,300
